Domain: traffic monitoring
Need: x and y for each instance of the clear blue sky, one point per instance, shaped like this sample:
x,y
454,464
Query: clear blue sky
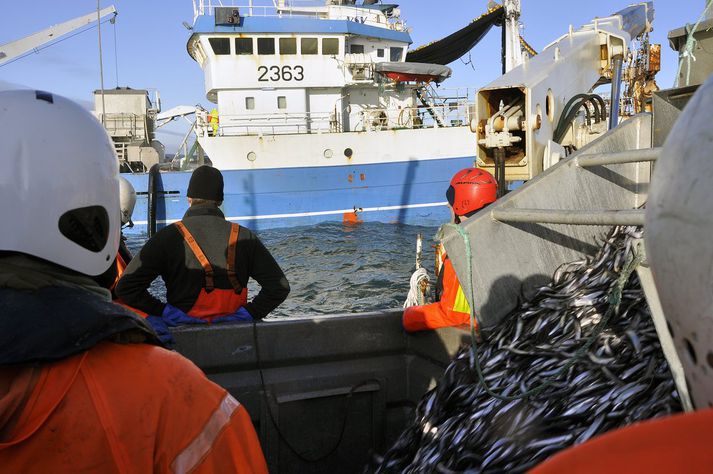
x,y
151,43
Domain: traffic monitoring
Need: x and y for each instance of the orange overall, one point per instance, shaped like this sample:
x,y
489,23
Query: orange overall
x,y
215,302
120,408
678,443
120,267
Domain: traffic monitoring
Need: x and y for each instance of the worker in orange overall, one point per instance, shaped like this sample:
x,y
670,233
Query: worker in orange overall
x,y
84,385
205,262
470,190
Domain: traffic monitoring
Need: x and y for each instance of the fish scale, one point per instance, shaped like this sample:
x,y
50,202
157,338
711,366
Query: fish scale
x,y
621,379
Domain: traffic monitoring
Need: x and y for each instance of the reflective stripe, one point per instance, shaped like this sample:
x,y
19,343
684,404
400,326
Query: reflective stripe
x,y
460,304
189,458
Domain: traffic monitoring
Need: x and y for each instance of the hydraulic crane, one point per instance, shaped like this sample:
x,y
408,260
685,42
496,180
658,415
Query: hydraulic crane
x,y
15,49
532,106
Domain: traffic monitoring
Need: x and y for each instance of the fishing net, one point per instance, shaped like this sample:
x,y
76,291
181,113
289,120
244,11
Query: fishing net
x,y
588,337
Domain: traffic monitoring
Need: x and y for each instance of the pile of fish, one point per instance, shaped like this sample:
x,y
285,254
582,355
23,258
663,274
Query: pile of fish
x,y
621,378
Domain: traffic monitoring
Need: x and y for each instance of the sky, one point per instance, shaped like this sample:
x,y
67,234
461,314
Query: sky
x,y
146,47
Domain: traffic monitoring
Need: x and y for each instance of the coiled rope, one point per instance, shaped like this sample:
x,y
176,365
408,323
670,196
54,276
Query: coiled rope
x,y
415,296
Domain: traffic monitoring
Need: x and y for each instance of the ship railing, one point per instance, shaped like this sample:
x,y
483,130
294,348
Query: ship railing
x,y
124,125
453,94
272,124
288,8
451,114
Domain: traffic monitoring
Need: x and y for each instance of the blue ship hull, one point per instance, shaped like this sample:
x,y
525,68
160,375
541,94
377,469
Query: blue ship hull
x,y
411,192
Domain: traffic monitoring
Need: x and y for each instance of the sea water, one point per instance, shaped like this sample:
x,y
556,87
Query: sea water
x,y
338,268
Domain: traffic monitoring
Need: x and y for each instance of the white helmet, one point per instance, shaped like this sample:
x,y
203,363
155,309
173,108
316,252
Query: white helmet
x,y
127,200
679,240
59,186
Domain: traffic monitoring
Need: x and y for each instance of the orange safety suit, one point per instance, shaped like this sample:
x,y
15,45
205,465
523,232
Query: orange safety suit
x,y
119,408
214,302
452,309
120,267
678,443
211,302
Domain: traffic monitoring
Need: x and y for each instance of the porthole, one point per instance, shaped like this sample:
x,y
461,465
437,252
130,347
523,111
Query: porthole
x,y
252,156
550,106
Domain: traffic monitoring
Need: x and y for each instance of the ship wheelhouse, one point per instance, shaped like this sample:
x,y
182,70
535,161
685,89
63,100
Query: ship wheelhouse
x,y
305,67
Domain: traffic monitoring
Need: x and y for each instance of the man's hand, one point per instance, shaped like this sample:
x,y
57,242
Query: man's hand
x,y
161,330
173,316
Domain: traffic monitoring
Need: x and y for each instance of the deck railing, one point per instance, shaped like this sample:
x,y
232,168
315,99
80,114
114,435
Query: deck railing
x,y
448,114
288,8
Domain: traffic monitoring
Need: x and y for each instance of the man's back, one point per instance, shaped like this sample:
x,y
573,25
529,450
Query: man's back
x,y
168,255
122,408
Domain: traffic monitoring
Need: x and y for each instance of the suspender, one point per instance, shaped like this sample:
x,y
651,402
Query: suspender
x,y
203,260
232,247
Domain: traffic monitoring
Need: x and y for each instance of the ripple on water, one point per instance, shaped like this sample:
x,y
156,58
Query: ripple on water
x,y
334,268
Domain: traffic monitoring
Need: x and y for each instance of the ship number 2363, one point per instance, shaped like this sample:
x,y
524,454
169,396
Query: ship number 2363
x,y
277,73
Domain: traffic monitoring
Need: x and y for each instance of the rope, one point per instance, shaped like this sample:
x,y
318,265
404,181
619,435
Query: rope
x,y
614,301
116,54
40,48
687,52
101,64
415,296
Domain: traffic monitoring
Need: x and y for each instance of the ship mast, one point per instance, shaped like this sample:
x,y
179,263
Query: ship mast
x,y
512,51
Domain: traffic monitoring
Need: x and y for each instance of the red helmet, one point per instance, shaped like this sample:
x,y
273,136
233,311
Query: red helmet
x,y
471,189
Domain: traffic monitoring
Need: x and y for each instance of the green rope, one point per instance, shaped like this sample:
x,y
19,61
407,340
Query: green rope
x,y
687,52
614,302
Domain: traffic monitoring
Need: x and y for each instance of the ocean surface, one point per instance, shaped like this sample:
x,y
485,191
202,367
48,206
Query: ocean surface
x,y
338,268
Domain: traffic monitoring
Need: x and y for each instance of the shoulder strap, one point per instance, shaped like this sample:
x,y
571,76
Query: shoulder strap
x,y
202,259
232,249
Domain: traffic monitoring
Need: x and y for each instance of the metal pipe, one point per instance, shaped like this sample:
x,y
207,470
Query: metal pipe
x,y
152,198
419,249
617,62
499,164
620,157
572,217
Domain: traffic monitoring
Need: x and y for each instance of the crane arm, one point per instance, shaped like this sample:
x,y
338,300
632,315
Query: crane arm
x,y
14,49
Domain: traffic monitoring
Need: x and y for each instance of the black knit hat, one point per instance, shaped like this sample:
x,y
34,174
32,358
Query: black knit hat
x,y
206,183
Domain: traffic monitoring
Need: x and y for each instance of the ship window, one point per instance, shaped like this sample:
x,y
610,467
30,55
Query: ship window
x,y
356,49
243,46
309,45
395,54
380,53
220,45
330,46
281,102
288,46
266,46
250,103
